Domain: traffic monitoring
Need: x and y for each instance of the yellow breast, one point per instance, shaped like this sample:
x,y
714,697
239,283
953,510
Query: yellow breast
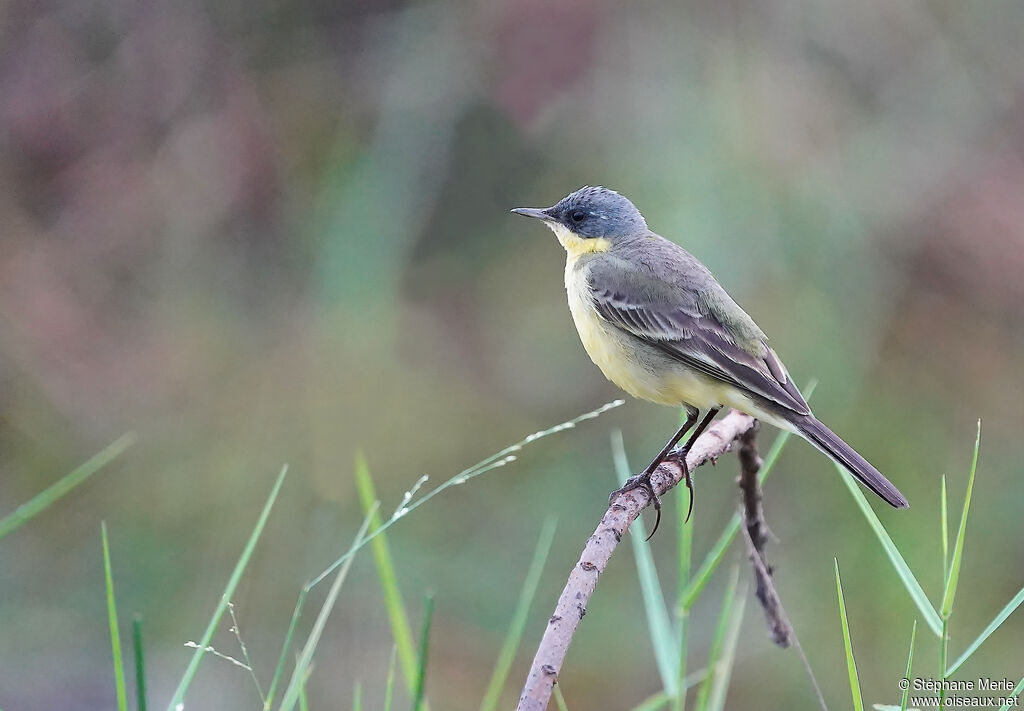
x,y
639,368
621,357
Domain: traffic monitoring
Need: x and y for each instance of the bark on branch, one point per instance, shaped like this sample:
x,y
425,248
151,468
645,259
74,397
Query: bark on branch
x,y
757,535
572,604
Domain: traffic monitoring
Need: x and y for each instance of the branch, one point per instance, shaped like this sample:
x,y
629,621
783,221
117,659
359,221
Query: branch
x,y
757,535
572,604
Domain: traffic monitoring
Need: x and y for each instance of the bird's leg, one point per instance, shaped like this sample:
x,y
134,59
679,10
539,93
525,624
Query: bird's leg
x,y
643,481
685,450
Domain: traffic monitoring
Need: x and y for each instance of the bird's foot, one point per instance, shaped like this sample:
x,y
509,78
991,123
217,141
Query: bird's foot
x,y
641,481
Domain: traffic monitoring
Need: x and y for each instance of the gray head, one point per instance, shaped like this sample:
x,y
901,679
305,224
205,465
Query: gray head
x,y
591,212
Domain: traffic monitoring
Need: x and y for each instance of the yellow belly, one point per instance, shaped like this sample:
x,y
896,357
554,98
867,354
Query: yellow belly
x,y
643,371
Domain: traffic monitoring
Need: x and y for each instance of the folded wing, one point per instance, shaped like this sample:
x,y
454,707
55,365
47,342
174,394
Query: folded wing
x,y
696,330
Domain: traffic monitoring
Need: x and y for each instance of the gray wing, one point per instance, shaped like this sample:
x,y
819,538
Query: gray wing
x,y
700,327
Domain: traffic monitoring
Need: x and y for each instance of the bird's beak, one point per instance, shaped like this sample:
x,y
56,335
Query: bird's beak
x,y
540,214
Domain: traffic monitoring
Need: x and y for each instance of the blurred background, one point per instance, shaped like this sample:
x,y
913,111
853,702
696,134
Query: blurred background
x,y
277,231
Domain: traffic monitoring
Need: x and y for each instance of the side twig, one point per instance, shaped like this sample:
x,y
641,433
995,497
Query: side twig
x,y
763,574
572,604
757,533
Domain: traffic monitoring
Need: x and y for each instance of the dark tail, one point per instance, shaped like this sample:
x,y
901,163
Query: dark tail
x,y
828,442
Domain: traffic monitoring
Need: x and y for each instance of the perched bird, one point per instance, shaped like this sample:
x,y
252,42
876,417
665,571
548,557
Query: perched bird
x,y
658,325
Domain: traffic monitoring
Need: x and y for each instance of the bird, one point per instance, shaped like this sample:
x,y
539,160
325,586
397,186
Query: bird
x,y
658,324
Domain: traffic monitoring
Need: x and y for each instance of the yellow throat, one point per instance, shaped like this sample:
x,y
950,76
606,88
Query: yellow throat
x,y
575,245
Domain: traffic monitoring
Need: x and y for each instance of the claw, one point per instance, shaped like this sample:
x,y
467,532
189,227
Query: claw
x,y
641,481
657,520
689,489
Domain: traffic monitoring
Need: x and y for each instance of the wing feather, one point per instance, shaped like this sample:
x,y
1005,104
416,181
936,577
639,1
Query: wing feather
x,y
698,338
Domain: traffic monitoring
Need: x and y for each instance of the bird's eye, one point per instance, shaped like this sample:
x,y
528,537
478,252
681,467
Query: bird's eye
x,y
578,215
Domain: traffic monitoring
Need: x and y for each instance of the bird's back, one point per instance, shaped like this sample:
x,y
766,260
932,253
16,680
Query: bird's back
x,y
679,280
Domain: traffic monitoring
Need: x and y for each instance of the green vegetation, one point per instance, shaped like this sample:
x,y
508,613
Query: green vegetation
x,y
910,667
519,618
140,663
420,690
938,619
851,663
669,639
43,500
115,634
397,615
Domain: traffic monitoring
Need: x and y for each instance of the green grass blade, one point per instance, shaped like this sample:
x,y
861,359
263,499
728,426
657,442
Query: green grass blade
x,y
992,627
725,664
913,587
910,664
945,531
1013,695
519,618
717,640
115,634
949,594
559,699
389,687
660,700
398,617
305,660
659,625
41,501
682,615
229,591
357,697
851,663
303,701
140,663
421,674
494,461
685,547
943,651
654,703
679,700
717,553
285,647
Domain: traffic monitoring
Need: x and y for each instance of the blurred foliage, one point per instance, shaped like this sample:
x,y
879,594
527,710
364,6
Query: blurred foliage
x,y
277,231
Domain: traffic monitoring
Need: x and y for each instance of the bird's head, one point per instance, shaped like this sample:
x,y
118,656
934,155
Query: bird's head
x,y
591,219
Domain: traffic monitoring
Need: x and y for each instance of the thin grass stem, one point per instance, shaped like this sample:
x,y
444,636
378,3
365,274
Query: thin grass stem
x,y
44,499
140,663
115,633
229,591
